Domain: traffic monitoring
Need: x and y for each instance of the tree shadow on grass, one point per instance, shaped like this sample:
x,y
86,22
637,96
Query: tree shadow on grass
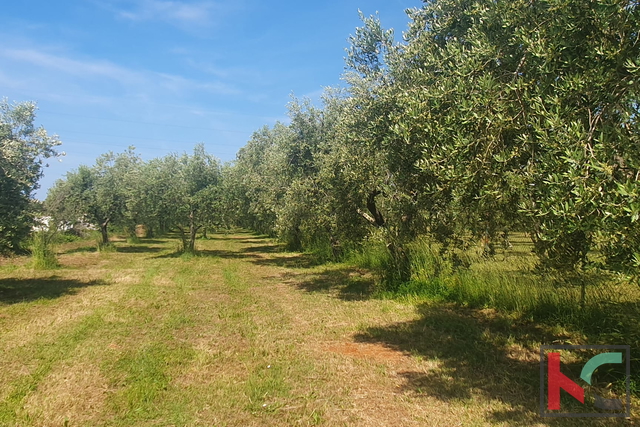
x,y
262,249
213,253
151,241
24,290
238,237
345,283
138,249
478,353
81,249
288,260
217,253
252,239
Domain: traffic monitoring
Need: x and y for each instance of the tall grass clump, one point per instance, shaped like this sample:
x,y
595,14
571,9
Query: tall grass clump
x,y
531,295
429,270
100,245
322,250
42,247
325,249
134,240
182,249
374,255
131,235
510,285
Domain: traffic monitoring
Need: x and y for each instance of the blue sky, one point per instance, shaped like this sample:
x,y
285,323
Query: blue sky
x,y
166,75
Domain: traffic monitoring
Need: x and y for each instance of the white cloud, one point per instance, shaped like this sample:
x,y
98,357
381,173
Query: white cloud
x,y
178,13
179,84
236,73
141,84
83,68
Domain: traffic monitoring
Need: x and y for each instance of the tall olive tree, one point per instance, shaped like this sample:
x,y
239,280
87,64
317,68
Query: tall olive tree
x,y
191,197
501,114
23,148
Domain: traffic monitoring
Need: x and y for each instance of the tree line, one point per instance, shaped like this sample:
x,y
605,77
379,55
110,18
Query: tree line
x,y
175,192
489,117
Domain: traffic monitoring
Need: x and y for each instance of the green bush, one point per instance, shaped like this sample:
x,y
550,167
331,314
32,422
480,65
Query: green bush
x,y
134,240
376,256
66,237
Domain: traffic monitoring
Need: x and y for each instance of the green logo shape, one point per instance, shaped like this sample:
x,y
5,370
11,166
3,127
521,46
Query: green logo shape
x,y
596,361
592,365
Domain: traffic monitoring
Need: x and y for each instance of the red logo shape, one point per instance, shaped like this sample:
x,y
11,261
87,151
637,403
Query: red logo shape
x,y
557,381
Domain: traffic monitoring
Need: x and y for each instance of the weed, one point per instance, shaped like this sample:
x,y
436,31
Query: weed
x,y
134,240
43,256
99,244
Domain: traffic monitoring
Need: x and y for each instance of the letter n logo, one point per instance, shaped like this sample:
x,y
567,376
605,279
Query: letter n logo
x,y
558,380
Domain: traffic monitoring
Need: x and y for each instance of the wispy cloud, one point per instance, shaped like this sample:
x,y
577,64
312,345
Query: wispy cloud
x,y
237,73
179,84
74,67
185,15
138,83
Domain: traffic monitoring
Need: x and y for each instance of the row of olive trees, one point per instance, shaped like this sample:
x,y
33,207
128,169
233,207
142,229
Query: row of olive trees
x,y
175,192
297,183
491,116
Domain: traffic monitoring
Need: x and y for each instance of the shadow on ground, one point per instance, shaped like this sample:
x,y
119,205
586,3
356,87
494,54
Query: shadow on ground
x,y
346,283
288,260
478,353
253,239
214,253
152,241
238,237
261,249
24,290
81,249
138,249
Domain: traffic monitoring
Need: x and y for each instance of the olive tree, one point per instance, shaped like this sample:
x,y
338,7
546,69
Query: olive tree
x,y
23,148
98,194
190,199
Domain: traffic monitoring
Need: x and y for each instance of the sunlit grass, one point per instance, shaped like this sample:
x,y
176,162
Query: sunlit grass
x,y
42,247
241,333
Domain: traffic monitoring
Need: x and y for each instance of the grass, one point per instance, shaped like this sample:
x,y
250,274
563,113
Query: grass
x,y
43,256
508,282
243,334
592,307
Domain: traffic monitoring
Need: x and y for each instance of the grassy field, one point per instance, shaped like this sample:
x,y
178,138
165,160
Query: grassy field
x,y
246,335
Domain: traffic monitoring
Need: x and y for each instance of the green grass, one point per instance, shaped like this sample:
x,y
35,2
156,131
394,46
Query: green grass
x,y
46,355
243,334
507,282
606,313
43,256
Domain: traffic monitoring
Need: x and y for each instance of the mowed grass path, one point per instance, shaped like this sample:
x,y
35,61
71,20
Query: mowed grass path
x,y
245,335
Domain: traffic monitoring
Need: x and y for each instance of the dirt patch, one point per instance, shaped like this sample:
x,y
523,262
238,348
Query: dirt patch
x,y
128,279
523,354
